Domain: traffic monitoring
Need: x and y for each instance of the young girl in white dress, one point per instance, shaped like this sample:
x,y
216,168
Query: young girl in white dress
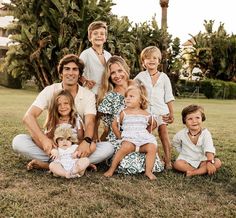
x,y
195,145
136,124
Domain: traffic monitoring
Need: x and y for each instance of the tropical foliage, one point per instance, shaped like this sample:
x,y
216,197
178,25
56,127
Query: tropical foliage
x,y
47,30
215,52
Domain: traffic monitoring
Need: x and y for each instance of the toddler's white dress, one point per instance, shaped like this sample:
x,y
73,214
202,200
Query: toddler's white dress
x,y
65,157
134,130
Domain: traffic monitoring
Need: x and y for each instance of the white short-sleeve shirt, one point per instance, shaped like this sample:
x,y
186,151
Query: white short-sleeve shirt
x,y
93,69
85,102
159,94
190,152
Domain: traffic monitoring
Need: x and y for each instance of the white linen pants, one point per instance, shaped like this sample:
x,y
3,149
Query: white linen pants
x,y
24,145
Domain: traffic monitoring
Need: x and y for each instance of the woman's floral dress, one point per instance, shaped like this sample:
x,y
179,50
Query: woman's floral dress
x,y
134,162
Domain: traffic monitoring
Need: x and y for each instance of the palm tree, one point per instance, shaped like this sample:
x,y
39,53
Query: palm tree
x,y
164,6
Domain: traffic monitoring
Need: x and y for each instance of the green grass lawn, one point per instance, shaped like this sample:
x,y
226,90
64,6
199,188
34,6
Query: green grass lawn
x,y
39,194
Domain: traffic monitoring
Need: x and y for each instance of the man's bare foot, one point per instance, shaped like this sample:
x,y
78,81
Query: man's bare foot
x,y
108,173
151,176
37,164
190,173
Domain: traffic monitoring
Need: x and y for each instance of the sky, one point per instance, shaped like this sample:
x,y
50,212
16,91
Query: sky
x,y
184,17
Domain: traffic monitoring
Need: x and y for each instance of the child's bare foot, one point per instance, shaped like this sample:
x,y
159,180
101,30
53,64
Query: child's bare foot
x,y
168,166
151,176
37,164
80,166
70,175
190,173
108,173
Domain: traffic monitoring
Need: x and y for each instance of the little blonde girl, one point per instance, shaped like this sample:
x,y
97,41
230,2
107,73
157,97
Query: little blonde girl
x,y
136,124
64,163
195,145
61,110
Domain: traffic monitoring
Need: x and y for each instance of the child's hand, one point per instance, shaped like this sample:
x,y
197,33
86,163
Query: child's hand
x,y
168,118
54,153
171,118
211,169
90,84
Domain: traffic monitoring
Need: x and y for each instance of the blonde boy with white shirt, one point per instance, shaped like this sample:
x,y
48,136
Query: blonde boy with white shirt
x,y
160,96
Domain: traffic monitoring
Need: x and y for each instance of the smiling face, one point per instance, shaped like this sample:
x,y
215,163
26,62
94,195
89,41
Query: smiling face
x,y
70,74
98,37
64,106
193,121
151,61
118,75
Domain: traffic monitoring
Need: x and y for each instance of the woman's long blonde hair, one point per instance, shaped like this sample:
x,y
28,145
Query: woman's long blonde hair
x,y
53,116
107,84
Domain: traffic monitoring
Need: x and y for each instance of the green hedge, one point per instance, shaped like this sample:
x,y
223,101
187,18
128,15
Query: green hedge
x,y
210,88
9,81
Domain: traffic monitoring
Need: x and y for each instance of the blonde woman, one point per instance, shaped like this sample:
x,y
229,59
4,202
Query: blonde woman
x,y
110,102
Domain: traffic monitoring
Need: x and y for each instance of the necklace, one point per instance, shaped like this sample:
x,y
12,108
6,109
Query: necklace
x,y
99,54
193,135
154,74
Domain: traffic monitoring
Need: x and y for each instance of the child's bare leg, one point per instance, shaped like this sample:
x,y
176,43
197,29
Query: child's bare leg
x,y
165,140
183,166
126,148
37,164
150,150
58,170
80,166
203,168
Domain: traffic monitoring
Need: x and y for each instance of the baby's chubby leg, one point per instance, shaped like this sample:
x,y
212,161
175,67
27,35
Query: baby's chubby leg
x,y
58,170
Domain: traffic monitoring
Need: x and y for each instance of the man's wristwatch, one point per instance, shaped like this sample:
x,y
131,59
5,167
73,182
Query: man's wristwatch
x,y
88,140
211,161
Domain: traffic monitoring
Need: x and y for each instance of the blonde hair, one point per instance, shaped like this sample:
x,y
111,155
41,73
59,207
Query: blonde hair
x,y
96,25
146,52
53,116
138,85
106,84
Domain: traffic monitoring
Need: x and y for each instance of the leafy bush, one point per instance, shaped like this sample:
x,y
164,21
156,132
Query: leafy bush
x,y
210,88
218,89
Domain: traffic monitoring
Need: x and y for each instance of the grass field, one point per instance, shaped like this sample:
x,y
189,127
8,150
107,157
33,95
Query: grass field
x,y
39,194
